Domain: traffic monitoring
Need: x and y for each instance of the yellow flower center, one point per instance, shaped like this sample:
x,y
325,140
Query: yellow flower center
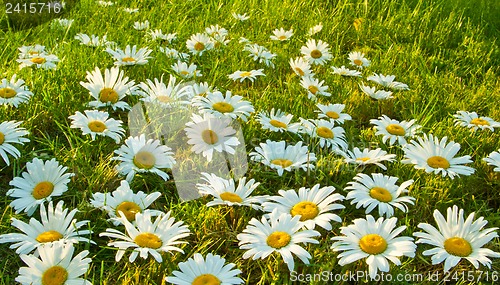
x,y
184,72
144,160
316,54
129,209
381,194
223,107
148,240
282,162
278,239
395,129
209,137
277,124
128,59
363,159
324,132
2,138
299,71
164,98
358,62
282,38
206,279
373,244
7,93
245,74
333,115
313,89
56,275
97,126
231,197
42,190
458,246
49,236
108,95
306,210
438,162
479,122
38,60
199,46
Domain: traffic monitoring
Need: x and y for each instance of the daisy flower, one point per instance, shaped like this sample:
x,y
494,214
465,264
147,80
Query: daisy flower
x,y
456,239
208,133
278,121
281,233
130,56
333,112
229,106
110,89
57,227
343,71
55,265
368,156
97,123
379,191
31,51
261,54
147,237
281,35
141,25
41,181
314,87
250,75
167,95
202,89
315,29
41,60
376,94
93,40
378,241
473,121
225,192
329,136
157,34
124,200
313,205
141,156
241,17
11,134
434,155
14,92
301,67
199,43
493,159
62,23
105,3
316,53
174,54
388,81
279,156
185,71
130,10
212,270
358,59
394,130
216,31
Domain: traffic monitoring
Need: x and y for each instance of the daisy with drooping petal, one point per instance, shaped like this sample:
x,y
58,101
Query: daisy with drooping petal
x,y
130,10
279,156
62,23
10,133
329,136
141,25
313,205
174,54
314,87
199,43
315,29
140,156
41,181
281,35
434,155
378,241
278,121
229,106
241,17
55,265
473,121
105,3
57,226
343,71
14,92
166,95
130,56
388,81
93,40
358,59
376,94
379,191
316,53
250,75
333,112
394,130
493,159
147,237
215,31
95,122
212,270
456,239
261,54
185,71
301,67
202,89
368,156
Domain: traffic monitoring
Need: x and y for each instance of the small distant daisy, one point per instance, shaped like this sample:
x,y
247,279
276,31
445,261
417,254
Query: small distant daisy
x,y
185,71
434,155
10,133
167,95
95,122
42,60
241,17
174,54
333,112
368,156
62,23
358,59
130,56
388,81
281,233
394,130
313,205
376,94
493,159
41,181
379,191
301,67
93,40
378,241
281,35
141,25
314,87
250,75
229,106
212,270
105,3
278,121
157,34
199,43
315,29
139,155
473,121
279,156
147,237
202,89
456,239
130,10
329,136
316,53
343,71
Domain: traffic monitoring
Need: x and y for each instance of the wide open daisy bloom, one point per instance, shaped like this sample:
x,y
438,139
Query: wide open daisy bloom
x,y
329,136
167,95
376,94
368,156
358,59
281,233
455,239
473,121
41,181
301,67
130,56
379,191
55,265
242,75
333,112
388,81
344,71
394,130
281,35
493,159
110,89
434,155
316,53
314,87
10,134
147,237
41,60
279,156
378,241
313,205
14,92
229,106
208,133
57,226
139,155
185,71
225,192
278,121
124,200
97,123
210,270
199,43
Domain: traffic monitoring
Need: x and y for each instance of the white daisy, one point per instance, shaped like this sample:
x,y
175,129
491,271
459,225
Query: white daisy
x,y
394,130
368,156
493,159
174,54
41,60
229,106
315,29
141,25
358,59
261,54
473,121
455,239
130,10
157,34
344,71
167,95
216,31
199,43
250,75
278,121
314,87
105,3
62,23
147,237
202,89
14,92
333,112
41,181
185,71
388,81
31,51
130,56
281,35
95,122
316,53
301,67
329,136
10,133
93,40
241,17
379,191
375,240
376,94
434,155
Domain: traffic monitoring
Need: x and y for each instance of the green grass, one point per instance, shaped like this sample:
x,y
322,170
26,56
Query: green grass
x,y
446,51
